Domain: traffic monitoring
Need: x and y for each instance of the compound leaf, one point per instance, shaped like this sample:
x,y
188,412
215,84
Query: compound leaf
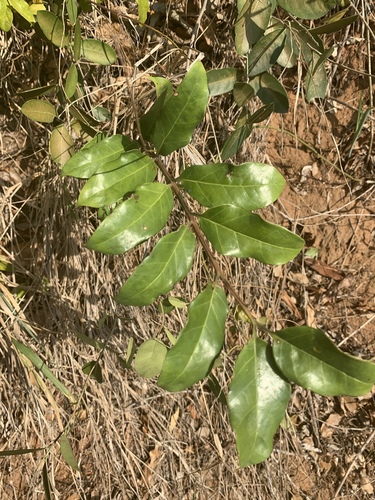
x,y
88,160
236,232
114,179
149,359
170,123
308,357
134,221
198,344
257,400
168,263
250,186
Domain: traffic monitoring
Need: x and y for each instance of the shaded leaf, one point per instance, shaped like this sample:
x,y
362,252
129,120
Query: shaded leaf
x,y
269,90
46,482
21,451
67,452
37,92
311,9
308,357
252,21
335,25
112,180
316,79
221,80
198,344
288,55
236,232
134,221
250,186
52,28
77,46
40,111
93,370
61,145
170,123
261,114
242,93
266,52
72,8
257,400
234,142
97,52
149,359
168,264
89,159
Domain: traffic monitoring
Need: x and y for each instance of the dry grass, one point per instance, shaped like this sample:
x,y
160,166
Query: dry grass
x,y
133,440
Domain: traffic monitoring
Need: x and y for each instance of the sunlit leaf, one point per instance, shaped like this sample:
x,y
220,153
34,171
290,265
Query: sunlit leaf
x,y
77,47
266,52
67,452
97,52
149,359
236,232
252,21
61,145
72,8
316,78
198,344
23,8
168,264
112,180
52,28
257,400
71,81
171,122
288,55
221,80
250,186
89,159
308,357
143,6
311,9
134,221
6,16
40,111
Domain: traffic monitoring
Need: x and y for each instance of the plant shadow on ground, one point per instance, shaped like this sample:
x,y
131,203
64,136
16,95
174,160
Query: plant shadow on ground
x,y
133,440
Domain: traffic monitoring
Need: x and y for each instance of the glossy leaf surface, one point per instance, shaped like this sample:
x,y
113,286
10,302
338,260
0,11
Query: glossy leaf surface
x,y
149,359
309,358
250,186
98,52
168,263
236,232
134,221
170,123
198,344
88,160
311,9
257,400
114,179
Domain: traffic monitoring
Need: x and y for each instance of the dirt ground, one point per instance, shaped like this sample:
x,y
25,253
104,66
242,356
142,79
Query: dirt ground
x,y
131,439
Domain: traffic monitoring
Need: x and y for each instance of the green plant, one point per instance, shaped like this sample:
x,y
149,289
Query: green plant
x,y
121,184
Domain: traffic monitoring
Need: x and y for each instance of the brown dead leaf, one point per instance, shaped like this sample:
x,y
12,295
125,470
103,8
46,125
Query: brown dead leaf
x,y
327,429
325,270
290,303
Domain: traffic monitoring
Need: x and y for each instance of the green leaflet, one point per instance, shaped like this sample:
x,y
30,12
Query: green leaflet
x,y
39,110
67,452
221,80
236,232
98,52
257,401
252,21
134,221
311,9
308,357
114,179
250,186
197,346
149,359
269,90
88,160
171,121
52,28
266,52
168,263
